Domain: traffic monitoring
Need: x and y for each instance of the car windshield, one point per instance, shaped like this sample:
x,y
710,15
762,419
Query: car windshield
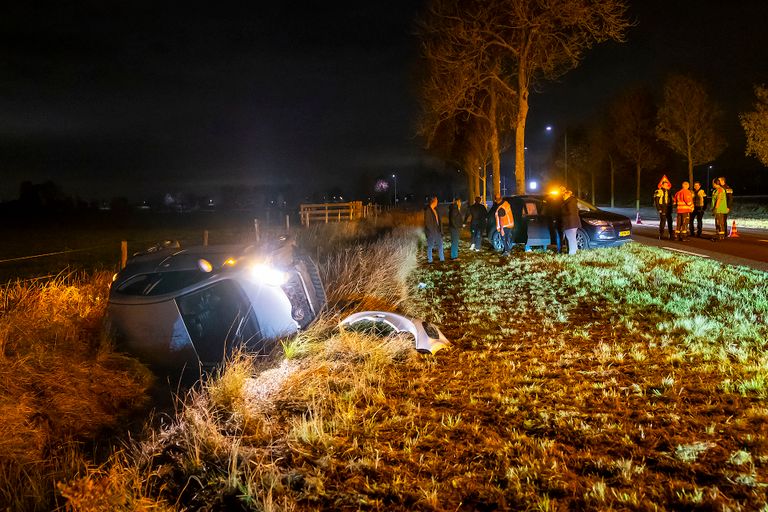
x,y
586,207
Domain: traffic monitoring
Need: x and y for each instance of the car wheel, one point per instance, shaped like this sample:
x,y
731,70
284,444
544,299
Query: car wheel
x,y
496,242
582,241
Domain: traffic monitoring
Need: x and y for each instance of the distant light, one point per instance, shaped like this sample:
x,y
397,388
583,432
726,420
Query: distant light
x,y
393,176
549,128
533,185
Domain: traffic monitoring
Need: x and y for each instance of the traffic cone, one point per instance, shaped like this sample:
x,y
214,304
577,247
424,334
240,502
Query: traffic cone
x,y
637,219
734,232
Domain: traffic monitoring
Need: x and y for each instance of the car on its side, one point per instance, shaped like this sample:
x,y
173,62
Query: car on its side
x,y
537,220
192,307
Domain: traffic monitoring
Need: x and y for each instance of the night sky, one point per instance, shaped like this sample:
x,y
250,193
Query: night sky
x,y
136,98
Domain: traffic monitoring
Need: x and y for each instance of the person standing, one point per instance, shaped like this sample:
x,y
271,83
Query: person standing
x,y
699,196
728,199
662,200
433,229
553,209
684,205
719,209
455,223
505,223
570,222
476,216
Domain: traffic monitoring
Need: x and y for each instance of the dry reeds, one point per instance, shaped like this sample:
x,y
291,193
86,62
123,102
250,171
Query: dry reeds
x,y
61,383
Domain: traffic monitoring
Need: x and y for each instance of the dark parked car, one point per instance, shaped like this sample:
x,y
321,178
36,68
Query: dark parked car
x,y
176,307
537,219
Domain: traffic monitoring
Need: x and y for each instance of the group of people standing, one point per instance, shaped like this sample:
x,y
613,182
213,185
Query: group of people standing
x,y
564,212
690,206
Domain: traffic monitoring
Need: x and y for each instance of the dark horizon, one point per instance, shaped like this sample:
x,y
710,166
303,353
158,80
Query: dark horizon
x,y
136,99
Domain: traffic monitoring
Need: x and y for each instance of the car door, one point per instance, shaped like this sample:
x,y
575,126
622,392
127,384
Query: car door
x,y
536,222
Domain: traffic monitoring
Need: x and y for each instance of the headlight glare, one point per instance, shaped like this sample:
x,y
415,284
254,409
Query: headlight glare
x,y
267,274
596,222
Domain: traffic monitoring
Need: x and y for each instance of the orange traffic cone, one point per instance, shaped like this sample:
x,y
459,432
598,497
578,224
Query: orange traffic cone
x,y
637,219
734,232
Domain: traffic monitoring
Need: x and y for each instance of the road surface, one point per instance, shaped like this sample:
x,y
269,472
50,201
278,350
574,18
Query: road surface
x,y
750,249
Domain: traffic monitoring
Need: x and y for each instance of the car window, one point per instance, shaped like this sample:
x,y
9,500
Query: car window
x,y
218,318
159,283
531,208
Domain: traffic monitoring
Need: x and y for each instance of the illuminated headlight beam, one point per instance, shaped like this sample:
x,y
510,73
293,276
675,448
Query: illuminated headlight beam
x,y
268,275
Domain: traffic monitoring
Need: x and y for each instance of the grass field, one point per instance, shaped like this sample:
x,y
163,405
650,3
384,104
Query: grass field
x,y
615,379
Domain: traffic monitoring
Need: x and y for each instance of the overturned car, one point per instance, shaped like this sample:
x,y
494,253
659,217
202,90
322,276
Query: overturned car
x,y
176,307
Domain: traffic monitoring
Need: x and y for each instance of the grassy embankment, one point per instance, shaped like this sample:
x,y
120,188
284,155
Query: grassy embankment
x,y
625,378
616,379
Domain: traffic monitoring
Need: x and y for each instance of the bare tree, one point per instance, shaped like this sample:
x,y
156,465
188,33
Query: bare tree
x,y
463,81
544,39
687,122
755,124
488,54
632,119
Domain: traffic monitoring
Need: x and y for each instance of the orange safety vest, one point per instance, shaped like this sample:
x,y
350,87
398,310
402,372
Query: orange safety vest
x,y
684,201
506,220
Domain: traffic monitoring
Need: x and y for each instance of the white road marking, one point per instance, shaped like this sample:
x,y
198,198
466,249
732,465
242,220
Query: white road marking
x,y
685,252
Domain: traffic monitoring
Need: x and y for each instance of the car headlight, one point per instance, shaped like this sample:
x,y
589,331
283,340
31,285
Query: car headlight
x,y
267,274
596,222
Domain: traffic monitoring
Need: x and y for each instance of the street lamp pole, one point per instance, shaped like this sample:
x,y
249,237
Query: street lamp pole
x,y
394,176
565,138
566,157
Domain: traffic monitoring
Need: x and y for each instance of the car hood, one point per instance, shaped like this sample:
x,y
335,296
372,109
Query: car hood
x,y
604,215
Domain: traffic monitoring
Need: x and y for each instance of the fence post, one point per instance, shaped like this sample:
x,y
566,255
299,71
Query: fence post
x,y
123,254
287,222
256,229
326,214
205,238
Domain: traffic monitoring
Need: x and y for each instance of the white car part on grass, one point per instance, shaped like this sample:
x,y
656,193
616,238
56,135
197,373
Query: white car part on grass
x,y
428,337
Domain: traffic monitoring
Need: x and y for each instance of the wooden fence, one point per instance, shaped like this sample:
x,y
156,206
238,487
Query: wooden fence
x,y
336,212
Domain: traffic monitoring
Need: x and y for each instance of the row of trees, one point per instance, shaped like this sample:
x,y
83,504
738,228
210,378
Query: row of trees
x,y
637,131
481,59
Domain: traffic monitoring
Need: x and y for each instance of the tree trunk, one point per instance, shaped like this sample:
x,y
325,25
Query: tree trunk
x,y
637,197
522,115
690,169
495,156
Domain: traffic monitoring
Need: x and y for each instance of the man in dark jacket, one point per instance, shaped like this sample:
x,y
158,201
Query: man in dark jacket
x,y
662,200
476,216
455,223
570,222
433,229
699,198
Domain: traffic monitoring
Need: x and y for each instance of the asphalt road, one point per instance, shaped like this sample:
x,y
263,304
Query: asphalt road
x,y
750,249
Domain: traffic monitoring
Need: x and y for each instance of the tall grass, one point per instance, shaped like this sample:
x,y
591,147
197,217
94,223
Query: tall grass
x,y
62,385
238,437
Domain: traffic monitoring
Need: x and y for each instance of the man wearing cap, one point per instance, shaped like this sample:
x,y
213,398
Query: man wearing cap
x,y
662,199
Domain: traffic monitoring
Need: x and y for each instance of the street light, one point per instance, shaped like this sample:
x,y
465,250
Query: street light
x,y
394,176
565,137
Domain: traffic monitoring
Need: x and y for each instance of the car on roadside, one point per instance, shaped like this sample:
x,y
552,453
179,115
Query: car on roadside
x,y
176,308
537,219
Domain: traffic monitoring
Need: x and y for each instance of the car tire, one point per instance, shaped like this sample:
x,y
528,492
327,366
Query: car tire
x,y
497,244
582,240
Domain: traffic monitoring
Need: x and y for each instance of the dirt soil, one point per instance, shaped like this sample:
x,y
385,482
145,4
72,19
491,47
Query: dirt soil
x,y
545,402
